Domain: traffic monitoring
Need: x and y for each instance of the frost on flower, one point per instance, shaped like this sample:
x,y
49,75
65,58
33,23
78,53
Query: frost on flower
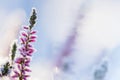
x,y
27,37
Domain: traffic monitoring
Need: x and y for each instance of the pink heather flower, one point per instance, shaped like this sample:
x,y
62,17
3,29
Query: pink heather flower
x,y
32,40
33,37
15,76
32,32
26,50
19,67
27,63
26,75
25,27
22,41
27,60
16,73
24,34
29,45
31,50
27,70
19,60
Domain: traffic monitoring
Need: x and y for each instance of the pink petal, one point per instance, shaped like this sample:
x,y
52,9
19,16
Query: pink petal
x,y
19,67
33,37
29,54
19,60
22,41
31,51
25,76
33,32
32,40
15,76
25,27
26,64
27,61
24,34
16,73
27,70
29,45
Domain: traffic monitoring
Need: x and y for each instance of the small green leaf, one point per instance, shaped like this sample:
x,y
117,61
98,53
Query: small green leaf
x,y
14,49
32,19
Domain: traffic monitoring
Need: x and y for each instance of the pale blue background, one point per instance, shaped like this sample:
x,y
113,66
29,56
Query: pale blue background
x,y
56,19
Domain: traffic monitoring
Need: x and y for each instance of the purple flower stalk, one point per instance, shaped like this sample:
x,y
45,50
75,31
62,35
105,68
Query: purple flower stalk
x,y
67,50
26,50
70,42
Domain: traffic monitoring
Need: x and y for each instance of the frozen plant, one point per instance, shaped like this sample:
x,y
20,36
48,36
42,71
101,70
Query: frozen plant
x,y
6,69
27,37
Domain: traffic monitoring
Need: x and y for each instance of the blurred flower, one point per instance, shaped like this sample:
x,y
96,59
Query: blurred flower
x,y
100,73
67,50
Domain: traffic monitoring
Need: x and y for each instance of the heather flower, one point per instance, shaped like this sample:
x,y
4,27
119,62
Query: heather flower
x,y
62,62
32,32
19,60
25,27
26,50
67,48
